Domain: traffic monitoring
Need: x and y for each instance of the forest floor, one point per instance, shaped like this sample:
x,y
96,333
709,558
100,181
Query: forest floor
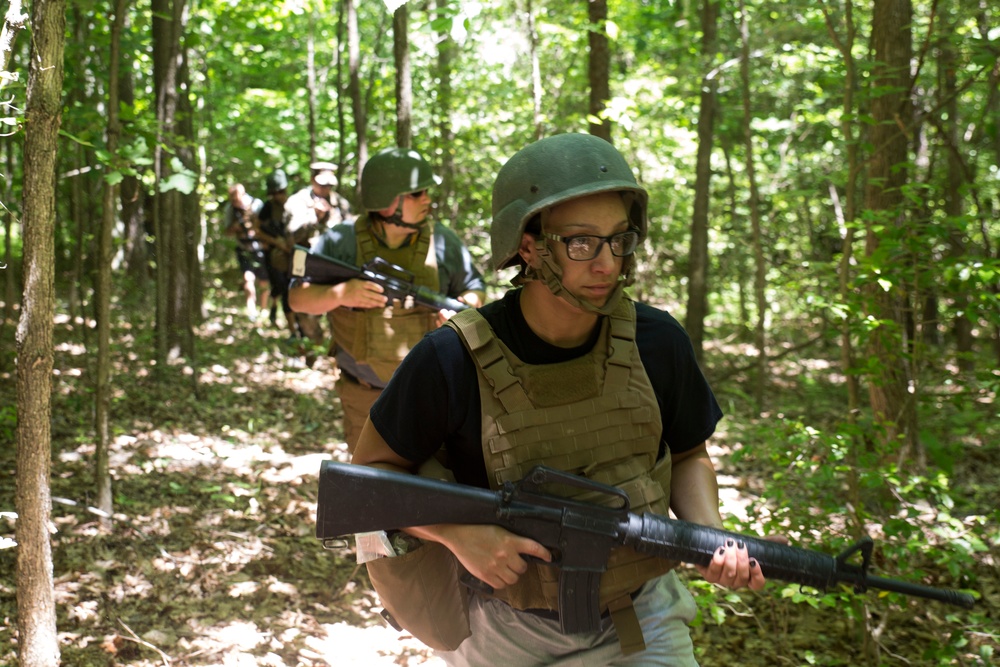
x,y
211,558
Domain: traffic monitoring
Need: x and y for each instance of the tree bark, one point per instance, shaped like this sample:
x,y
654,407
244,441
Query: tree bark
x,y
354,89
311,89
447,198
697,290
954,199
404,78
38,643
598,65
888,393
172,329
536,71
102,284
756,240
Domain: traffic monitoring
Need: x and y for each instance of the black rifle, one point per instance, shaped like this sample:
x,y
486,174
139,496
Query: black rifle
x,y
314,267
359,499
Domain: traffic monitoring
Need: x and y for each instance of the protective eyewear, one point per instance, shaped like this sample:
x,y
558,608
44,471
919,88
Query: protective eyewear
x,y
581,247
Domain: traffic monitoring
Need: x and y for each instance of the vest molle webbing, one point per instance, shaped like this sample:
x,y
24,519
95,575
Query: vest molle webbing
x,y
595,416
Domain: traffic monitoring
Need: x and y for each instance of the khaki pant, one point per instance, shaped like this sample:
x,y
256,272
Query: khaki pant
x,y
356,400
503,636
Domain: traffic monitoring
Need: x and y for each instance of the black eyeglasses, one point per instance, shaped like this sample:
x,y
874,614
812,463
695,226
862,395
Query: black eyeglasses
x,y
416,195
582,247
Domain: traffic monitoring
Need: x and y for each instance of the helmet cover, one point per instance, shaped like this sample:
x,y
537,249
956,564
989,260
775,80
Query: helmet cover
x,y
551,171
392,172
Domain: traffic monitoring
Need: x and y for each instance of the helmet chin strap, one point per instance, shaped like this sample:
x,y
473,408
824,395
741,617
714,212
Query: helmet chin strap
x,y
397,219
550,273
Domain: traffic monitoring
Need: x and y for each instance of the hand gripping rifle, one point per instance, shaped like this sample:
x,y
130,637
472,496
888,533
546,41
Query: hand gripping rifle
x,y
359,499
397,282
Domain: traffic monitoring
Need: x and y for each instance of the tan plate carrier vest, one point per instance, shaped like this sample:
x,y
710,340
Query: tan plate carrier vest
x,y
382,337
595,416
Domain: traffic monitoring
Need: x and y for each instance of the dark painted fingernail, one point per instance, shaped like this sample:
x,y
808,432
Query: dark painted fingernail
x,y
753,563
722,551
729,542
740,545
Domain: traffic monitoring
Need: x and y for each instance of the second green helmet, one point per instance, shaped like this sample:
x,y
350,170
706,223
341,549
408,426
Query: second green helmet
x,y
549,172
392,172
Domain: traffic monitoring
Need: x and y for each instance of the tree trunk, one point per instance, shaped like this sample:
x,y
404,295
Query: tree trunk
x,y
191,221
102,285
339,69
311,89
133,210
599,63
449,202
173,320
756,240
38,643
953,198
404,78
10,288
354,88
890,110
697,292
536,71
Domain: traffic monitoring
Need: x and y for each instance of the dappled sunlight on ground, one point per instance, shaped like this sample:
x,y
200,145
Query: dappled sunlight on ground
x,y
345,644
212,560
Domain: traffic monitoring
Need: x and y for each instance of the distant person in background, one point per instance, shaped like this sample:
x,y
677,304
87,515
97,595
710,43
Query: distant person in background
x,y
238,217
308,213
271,232
372,335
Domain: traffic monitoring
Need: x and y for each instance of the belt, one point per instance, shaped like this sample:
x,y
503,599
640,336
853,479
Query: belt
x,y
553,615
356,380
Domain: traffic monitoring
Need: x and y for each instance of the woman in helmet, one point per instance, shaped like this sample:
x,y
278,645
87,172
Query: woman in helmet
x,y
371,336
568,372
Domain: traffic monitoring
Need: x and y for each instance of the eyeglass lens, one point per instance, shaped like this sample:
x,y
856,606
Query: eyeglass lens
x,y
587,247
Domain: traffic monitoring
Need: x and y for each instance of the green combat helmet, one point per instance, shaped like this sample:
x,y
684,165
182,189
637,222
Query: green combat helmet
x,y
276,181
392,172
551,171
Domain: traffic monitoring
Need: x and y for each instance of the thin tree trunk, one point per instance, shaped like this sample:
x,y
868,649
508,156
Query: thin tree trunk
x,y
404,78
339,69
599,63
9,280
756,241
536,71
132,194
190,249
168,26
697,290
354,88
446,133
38,643
953,199
848,213
311,88
102,285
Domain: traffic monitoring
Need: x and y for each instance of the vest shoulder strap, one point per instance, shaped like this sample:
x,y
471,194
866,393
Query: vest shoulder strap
x,y
482,343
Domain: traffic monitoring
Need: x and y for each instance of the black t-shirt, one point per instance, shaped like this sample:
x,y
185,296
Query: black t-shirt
x,y
433,398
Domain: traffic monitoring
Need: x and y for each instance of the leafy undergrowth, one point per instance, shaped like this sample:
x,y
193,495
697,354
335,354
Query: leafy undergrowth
x,y
211,558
